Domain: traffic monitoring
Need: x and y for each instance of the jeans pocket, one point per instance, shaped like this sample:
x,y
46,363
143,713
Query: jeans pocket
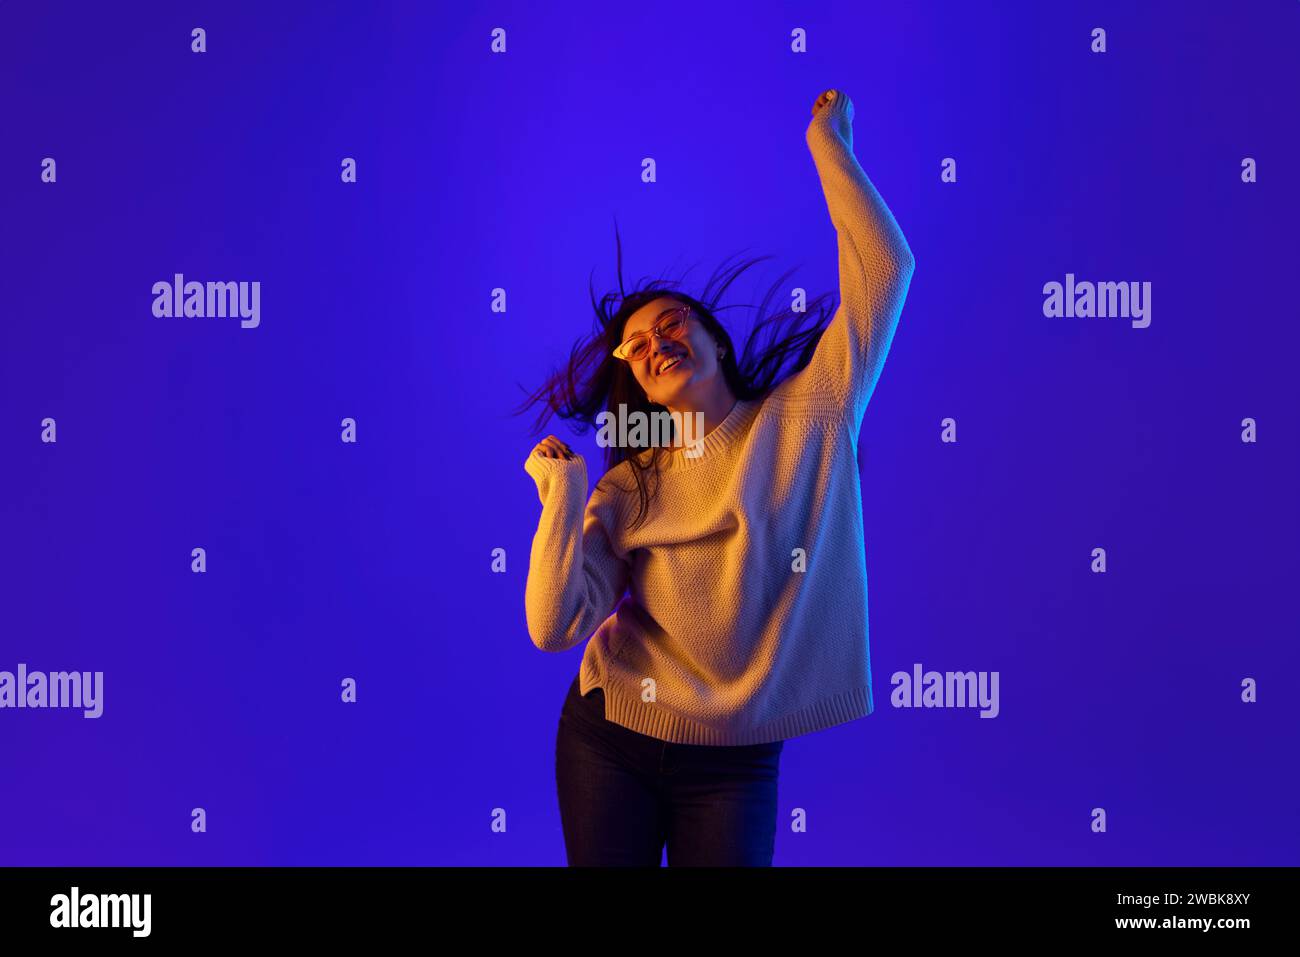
x,y
593,705
762,760
588,708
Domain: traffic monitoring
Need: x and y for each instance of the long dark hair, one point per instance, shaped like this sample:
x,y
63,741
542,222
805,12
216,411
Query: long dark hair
x,y
594,381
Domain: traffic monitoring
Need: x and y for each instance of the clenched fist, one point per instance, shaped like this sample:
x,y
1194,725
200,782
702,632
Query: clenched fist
x,y
552,448
835,108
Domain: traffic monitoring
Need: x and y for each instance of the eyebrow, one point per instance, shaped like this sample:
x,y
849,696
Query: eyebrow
x,y
656,321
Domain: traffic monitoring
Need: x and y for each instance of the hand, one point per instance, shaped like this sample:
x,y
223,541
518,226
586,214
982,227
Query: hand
x,y
835,107
552,448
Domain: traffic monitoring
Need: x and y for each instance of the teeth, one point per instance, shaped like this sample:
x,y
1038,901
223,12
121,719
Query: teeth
x,y
668,364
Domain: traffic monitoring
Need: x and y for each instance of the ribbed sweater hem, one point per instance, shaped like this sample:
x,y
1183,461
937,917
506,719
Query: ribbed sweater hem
x,y
650,719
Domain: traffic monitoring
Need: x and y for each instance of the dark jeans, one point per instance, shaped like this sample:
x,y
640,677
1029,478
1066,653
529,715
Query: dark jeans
x,y
624,794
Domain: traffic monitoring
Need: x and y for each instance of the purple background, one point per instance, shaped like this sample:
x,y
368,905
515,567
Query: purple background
x,y
476,171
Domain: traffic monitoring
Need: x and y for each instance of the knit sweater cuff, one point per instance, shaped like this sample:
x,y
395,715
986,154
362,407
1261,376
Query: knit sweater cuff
x,y
551,473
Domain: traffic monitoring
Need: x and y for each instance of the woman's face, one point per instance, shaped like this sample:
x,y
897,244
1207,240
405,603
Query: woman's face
x,y
696,353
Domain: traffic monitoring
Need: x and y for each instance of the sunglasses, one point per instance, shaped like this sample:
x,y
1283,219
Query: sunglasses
x,y
671,325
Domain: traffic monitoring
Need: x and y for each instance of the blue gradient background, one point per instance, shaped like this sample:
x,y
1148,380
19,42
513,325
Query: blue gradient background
x,y
476,171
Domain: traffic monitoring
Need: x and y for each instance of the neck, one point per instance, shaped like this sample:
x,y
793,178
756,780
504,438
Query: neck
x,y
714,408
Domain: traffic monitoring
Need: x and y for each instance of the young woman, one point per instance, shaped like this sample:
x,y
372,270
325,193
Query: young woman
x,y
726,582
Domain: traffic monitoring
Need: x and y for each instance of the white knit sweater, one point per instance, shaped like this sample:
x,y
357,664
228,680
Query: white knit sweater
x,y
719,639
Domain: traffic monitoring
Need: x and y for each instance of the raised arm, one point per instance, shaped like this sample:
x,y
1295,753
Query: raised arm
x,y
574,576
875,269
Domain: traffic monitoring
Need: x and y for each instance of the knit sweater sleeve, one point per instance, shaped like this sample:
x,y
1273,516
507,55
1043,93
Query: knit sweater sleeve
x,y
575,576
875,270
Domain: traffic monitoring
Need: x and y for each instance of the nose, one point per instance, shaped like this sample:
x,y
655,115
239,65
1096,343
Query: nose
x,y
660,350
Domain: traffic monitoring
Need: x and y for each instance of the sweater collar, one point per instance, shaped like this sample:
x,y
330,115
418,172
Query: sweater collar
x,y
719,438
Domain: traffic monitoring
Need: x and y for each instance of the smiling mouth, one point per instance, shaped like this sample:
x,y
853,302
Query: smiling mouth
x,y
672,362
